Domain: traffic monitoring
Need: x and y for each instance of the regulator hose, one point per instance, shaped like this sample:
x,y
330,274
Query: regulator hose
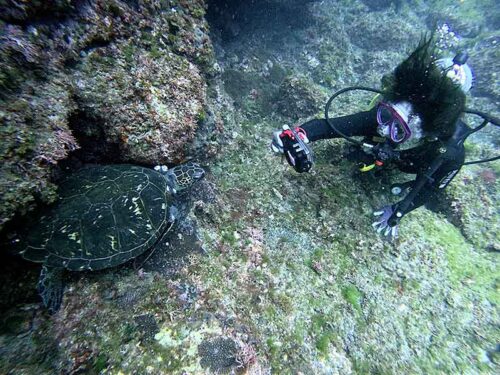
x,y
488,119
329,102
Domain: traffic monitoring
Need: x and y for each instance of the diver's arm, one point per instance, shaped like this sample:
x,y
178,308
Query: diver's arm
x,y
358,124
419,193
410,203
436,178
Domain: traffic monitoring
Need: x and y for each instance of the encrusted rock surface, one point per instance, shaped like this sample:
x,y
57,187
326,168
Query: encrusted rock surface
x,y
299,97
293,274
131,77
149,108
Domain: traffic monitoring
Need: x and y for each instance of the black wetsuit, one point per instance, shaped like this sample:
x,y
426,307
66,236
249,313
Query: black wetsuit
x,y
434,163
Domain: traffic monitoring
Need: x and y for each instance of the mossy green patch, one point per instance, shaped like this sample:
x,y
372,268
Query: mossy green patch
x,y
352,295
323,342
466,266
100,363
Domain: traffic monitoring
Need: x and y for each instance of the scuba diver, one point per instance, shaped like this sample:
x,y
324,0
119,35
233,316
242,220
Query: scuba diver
x,y
416,125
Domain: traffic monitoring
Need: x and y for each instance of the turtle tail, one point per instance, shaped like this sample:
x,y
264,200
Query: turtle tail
x,y
51,288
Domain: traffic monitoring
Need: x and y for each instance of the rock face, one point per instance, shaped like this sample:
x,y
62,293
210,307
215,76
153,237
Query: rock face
x,y
103,81
487,80
150,109
299,97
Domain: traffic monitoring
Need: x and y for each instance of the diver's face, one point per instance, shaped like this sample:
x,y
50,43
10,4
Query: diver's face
x,y
391,124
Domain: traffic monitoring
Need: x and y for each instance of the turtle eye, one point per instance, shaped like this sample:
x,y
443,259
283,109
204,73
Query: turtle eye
x,y
198,173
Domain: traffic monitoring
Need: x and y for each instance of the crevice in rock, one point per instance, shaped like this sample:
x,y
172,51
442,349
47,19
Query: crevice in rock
x,y
94,147
95,43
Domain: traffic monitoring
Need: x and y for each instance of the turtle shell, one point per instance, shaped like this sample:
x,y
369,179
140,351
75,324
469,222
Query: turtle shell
x,y
105,216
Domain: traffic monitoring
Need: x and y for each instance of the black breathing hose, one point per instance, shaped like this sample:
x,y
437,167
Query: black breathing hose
x,y
329,102
487,119
495,121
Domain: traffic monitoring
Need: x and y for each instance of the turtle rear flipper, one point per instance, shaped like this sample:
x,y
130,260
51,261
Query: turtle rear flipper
x,y
51,288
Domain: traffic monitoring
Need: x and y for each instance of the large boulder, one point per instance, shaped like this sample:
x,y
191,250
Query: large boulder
x,y
80,79
35,136
299,97
149,107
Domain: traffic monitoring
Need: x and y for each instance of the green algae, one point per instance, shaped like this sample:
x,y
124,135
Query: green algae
x,y
353,296
466,266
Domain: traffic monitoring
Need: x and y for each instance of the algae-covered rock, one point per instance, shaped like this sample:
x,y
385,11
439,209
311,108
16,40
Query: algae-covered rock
x,y
299,97
218,354
150,107
122,80
487,67
35,136
375,35
381,4
20,11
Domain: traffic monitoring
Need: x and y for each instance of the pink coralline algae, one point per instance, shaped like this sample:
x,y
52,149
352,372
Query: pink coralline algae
x,y
488,176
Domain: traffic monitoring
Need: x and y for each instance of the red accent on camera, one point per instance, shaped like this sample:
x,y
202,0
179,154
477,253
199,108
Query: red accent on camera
x,y
288,133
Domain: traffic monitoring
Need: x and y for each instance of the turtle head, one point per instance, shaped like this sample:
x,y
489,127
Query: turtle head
x,y
182,177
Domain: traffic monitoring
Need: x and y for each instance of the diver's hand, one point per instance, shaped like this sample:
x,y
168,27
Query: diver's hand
x,y
292,143
284,140
381,223
277,144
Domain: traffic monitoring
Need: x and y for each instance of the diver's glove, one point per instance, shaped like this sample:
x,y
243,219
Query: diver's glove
x,y
386,223
292,143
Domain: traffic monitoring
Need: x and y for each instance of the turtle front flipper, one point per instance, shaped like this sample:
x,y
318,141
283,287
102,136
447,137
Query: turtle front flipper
x,y
51,288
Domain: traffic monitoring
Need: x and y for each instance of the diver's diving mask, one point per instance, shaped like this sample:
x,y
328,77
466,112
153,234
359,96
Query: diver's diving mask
x,y
391,124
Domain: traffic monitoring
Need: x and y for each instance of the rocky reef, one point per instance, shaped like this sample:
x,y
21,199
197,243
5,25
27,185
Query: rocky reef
x,y
287,275
101,81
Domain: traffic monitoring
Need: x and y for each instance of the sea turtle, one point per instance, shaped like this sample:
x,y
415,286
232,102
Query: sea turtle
x,y
105,216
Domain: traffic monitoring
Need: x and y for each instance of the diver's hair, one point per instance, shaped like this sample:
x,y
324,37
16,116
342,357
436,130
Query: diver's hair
x,y
435,97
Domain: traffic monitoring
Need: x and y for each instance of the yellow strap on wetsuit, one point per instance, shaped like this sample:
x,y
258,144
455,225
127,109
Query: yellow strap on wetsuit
x,y
366,168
